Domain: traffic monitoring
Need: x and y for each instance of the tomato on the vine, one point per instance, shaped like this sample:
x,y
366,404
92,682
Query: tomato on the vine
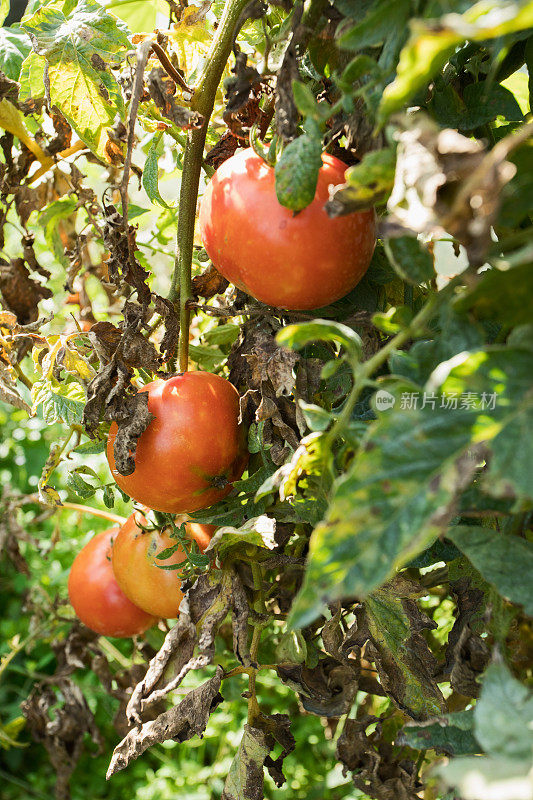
x,y
294,261
95,595
145,578
189,455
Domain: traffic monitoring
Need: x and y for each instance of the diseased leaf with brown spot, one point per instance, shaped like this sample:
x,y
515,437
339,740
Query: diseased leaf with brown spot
x,y
264,373
390,623
182,722
245,779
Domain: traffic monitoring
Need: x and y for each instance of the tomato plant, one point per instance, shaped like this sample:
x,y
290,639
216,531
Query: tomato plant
x,y
96,596
192,451
322,347
294,261
141,573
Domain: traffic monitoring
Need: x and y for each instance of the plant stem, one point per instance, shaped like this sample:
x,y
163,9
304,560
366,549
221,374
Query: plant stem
x,y
203,101
96,512
364,371
22,377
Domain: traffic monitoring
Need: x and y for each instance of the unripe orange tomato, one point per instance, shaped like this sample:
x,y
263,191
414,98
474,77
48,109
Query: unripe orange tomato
x,y
294,261
95,595
189,455
139,572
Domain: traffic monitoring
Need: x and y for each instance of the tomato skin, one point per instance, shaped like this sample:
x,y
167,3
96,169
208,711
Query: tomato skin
x,y
95,595
298,262
194,442
137,571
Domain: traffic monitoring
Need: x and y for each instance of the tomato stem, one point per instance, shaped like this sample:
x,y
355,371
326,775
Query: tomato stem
x,y
202,101
96,512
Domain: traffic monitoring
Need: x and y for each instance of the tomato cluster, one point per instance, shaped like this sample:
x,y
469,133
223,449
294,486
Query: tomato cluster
x,y
118,585
194,448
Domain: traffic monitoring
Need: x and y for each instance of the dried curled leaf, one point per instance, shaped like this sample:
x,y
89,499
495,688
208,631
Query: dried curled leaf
x,y
376,770
58,719
21,294
447,182
204,607
162,90
328,689
209,283
182,722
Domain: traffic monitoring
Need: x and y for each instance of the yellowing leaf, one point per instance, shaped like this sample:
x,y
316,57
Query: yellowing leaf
x,y
75,51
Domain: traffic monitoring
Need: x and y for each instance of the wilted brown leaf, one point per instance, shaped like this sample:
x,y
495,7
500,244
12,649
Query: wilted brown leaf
x,y
376,769
59,718
182,722
21,294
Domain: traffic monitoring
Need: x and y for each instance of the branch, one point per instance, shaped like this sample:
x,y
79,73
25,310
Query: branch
x,y
203,101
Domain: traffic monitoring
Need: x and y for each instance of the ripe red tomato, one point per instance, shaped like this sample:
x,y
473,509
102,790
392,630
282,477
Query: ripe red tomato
x,y
191,452
96,596
139,572
300,261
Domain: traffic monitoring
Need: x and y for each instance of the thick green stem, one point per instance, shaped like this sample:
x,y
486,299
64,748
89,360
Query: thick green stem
x,y
203,101
364,371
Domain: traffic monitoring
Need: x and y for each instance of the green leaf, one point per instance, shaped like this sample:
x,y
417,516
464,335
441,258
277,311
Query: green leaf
x,y
484,102
14,46
410,259
503,715
256,532
301,334
501,295
400,491
63,401
222,334
150,177
358,67
504,561
108,496
451,734
49,219
478,778
291,648
297,170
92,447
368,183
517,195
4,10
432,42
499,376
316,417
208,357
79,46
305,100
140,16
79,486
384,17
